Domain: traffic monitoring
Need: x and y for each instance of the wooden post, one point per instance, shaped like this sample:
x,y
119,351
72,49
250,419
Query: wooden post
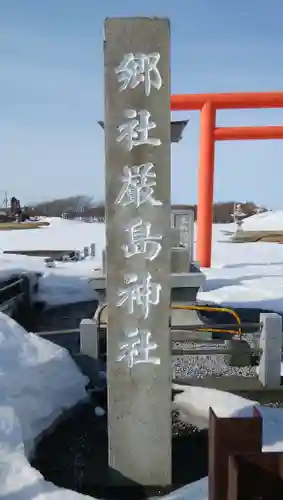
x,y
228,436
137,141
255,475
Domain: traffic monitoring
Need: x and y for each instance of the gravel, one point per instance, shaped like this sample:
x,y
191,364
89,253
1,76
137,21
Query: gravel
x,y
201,366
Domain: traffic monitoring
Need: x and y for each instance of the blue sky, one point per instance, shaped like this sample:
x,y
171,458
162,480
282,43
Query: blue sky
x,y
51,93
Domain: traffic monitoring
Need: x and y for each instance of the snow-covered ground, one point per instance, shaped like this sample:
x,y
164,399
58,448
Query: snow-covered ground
x,y
61,234
68,281
248,275
39,380
242,274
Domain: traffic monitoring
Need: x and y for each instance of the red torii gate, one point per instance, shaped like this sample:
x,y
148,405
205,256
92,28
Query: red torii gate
x,y
208,104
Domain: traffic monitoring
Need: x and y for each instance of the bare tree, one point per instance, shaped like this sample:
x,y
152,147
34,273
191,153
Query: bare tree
x,y
84,206
73,206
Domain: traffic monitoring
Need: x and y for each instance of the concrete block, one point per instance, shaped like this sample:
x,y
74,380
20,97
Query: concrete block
x,y
180,260
271,344
241,355
89,338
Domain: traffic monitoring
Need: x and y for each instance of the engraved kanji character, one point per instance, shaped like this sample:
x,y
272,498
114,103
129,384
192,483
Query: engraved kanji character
x,y
137,349
141,242
138,183
135,130
141,293
138,68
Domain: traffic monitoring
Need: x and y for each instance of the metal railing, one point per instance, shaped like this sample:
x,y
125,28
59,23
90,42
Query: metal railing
x,y
233,329
213,309
239,353
185,328
218,346
58,332
194,350
8,299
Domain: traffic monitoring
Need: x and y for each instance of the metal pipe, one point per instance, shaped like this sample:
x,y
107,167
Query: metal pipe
x,y
6,287
210,309
58,332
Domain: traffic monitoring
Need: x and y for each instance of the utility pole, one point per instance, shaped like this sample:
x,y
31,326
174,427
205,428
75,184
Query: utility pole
x,y
6,200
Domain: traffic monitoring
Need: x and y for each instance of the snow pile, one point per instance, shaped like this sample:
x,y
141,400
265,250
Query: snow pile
x,y
246,275
68,281
194,403
194,491
38,380
267,221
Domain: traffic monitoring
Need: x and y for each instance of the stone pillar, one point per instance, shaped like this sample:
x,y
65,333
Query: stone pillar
x,y
137,139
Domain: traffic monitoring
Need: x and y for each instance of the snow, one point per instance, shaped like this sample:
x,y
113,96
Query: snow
x,y
194,491
61,234
248,275
267,221
194,403
245,275
68,281
38,380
